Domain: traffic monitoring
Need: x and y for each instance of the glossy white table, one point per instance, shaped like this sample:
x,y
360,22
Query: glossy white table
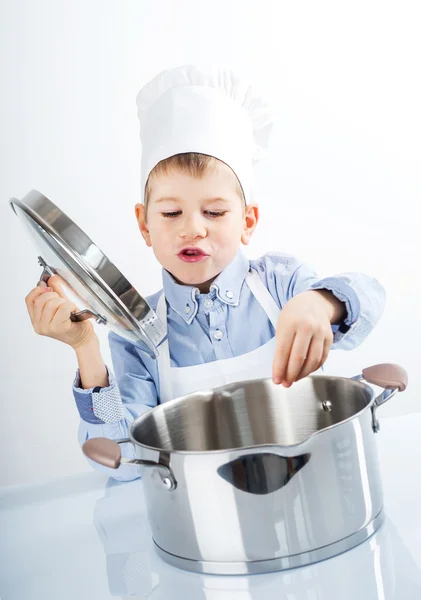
x,y
85,538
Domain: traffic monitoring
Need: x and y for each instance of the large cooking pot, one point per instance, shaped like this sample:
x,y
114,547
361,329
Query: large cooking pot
x,y
253,477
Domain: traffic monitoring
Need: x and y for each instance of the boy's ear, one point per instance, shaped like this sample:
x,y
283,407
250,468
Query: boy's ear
x,y
251,218
141,221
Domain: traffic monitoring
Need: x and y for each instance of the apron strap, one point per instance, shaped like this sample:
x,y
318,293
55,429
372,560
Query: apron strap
x,y
263,296
164,361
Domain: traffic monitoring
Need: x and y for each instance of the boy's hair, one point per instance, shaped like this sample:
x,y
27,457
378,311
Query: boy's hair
x,y
193,163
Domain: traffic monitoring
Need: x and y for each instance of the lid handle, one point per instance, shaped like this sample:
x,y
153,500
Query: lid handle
x,y
82,315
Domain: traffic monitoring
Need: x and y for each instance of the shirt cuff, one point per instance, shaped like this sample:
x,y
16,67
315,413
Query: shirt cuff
x,y
99,405
346,294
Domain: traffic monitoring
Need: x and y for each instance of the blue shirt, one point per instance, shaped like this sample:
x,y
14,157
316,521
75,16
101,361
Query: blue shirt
x,y
194,317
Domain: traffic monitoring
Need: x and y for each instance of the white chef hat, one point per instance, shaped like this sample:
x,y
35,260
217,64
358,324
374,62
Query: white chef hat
x,y
205,110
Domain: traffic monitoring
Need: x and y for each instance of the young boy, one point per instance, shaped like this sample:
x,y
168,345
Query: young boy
x,y
227,318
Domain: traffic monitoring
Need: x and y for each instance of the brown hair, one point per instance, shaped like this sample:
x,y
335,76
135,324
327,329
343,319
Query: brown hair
x,y
193,163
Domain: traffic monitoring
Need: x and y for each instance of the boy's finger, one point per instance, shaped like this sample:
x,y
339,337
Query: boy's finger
x,y
39,304
56,282
298,356
50,309
284,342
326,349
33,295
314,358
64,311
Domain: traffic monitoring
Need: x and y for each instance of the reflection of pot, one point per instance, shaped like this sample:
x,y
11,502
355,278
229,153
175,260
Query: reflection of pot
x,y
253,477
121,521
379,569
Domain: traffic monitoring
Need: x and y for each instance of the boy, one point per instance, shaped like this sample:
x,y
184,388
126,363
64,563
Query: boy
x,y
228,318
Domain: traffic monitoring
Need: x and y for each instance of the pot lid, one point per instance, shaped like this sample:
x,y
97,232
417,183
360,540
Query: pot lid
x,y
94,280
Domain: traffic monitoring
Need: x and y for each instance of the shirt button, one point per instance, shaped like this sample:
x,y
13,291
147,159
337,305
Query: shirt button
x,y
218,335
229,294
208,303
187,310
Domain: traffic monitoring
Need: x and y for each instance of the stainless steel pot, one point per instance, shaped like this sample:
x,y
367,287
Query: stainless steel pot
x,y
252,477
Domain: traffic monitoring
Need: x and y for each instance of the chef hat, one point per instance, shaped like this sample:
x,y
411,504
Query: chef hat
x,y
205,110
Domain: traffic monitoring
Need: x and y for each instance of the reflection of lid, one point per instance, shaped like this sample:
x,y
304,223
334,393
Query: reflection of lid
x,y
69,252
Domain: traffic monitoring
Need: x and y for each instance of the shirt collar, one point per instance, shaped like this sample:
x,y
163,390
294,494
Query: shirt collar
x,y
184,299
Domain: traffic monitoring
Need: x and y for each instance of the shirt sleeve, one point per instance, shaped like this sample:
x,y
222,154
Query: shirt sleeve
x,y
363,295
108,412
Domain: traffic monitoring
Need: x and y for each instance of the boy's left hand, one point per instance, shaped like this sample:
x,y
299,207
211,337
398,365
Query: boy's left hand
x,y
304,334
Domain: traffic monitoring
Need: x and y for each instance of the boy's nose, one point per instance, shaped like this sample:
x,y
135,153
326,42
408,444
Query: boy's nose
x,y
192,228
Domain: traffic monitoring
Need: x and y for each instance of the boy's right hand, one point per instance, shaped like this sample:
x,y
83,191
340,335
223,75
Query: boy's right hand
x,y
50,309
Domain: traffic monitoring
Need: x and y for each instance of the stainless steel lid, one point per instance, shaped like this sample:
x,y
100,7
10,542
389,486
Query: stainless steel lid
x,y
69,252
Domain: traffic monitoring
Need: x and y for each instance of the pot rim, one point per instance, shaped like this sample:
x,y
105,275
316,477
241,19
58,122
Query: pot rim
x,y
180,399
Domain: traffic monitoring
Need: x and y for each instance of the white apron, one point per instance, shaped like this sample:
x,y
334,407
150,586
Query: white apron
x,y
180,381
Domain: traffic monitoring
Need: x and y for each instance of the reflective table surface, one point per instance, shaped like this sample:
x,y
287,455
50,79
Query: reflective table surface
x,y
86,537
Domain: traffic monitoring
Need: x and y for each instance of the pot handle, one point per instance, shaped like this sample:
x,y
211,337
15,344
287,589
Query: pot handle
x,y
107,452
391,377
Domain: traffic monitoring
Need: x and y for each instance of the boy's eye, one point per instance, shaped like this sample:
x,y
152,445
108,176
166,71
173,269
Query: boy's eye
x,y
214,213
209,213
171,214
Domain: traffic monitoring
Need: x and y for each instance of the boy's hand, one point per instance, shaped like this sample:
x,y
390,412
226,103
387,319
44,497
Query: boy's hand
x,y
304,335
49,310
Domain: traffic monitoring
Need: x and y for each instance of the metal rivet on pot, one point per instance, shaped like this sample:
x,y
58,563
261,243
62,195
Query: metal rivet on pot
x,y
168,484
327,406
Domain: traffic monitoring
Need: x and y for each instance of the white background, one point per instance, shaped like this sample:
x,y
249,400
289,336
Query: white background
x,y
340,186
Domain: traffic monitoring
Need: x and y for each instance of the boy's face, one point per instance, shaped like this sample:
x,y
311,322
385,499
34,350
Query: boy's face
x,y
195,226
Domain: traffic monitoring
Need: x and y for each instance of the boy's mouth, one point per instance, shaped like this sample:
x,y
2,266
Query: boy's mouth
x,y
192,254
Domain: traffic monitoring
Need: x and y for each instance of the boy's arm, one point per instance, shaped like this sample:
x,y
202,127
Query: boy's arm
x,y
364,300
362,296
92,370
108,405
